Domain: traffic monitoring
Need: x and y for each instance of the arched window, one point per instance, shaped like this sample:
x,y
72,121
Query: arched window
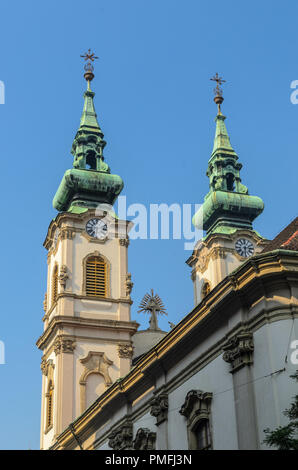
x,y
206,289
49,395
230,182
96,277
91,161
55,285
202,435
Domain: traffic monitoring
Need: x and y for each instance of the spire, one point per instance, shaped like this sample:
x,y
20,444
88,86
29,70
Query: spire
x,y
89,116
88,144
228,205
89,182
222,139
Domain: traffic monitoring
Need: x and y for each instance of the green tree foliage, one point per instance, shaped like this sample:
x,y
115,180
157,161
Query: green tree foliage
x,y
286,437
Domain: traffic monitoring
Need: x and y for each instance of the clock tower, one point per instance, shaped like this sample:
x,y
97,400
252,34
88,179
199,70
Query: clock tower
x,y
226,215
86,342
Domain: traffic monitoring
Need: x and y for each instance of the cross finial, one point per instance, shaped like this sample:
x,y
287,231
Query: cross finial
x,y
152,304
218,90
89,57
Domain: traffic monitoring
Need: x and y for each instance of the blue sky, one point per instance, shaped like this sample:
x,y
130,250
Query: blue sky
x,y
155,105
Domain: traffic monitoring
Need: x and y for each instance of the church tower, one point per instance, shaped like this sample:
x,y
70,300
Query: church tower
x,y
86,342
226,214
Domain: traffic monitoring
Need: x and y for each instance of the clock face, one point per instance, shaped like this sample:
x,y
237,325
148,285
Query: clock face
x,y
244,247
96,228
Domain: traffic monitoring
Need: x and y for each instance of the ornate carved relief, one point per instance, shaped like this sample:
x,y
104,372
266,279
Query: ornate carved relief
x,y
128,284
94,363
206,254
47,368
124,242
64,345
63,276
144,440
196,409
203,261
197,403
233,280
159,407
67,233
45,303
125,350
238,350
121,438
206,288
218,252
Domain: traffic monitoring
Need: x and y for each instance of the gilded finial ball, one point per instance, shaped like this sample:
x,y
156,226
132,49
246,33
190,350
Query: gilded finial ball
x,y
89,76
218,99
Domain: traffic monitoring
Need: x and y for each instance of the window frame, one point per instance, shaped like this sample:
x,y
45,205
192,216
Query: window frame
x,y
107,295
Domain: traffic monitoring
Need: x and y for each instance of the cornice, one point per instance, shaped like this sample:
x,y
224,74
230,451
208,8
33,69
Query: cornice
x,y
269,265
120,300
61,321
219,237
63,294
70,219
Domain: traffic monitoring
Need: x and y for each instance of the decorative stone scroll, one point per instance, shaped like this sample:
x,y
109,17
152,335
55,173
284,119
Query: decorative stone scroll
x,y
94,363
159,407
67,233
238,350
122,437
128,284
63,276
45,303
64,345
47,367
145,439
124,242
125,350
196,405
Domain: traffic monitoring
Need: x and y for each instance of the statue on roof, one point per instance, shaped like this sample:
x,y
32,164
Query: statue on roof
x,y
152,303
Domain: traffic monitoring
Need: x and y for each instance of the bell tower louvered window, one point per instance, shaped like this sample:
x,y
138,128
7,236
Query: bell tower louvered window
x,y
55,285
96,277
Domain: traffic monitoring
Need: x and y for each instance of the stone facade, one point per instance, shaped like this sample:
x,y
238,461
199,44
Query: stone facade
x,y
217,371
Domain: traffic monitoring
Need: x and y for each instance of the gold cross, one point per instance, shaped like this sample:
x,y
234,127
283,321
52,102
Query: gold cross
x,y
219,81
89,56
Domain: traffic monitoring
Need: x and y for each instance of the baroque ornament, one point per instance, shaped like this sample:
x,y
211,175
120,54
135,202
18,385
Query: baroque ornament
x,y
125,350
122,438
238,350
152,304
159,407
47,366
128,284
145,439
96,362
67,233
196,402
64,345
63,276
124,242
45,303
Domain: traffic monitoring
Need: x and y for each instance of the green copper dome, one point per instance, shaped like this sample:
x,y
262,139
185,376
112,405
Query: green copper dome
x,y
90,181
227,206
